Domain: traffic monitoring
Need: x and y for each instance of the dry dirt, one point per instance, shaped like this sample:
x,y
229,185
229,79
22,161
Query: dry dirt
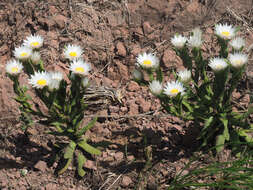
x,y
112,33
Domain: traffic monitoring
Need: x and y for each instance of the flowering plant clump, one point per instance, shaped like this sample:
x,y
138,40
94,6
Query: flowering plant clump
x,y
199,95
65,105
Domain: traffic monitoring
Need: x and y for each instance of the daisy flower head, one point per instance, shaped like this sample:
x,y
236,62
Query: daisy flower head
x,y
155,87
80,67
56,78
174,88
147,60
184,75
40,80
73,52
178,41
195,39
237,43
225,31
35,57
13,67
218,64
33,41
22,53
237,60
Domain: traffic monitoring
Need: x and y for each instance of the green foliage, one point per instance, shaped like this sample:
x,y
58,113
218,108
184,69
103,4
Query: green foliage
x,y
236,174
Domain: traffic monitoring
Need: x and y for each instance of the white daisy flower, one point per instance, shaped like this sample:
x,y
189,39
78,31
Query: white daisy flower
x,y
155,87
73,52
217,64
13,67
225,31
196,39
184,75
237,60
40,80
178,41
56,78
22,52
35,57
137,75
174,88
33,42
80,67
237,43
147,60
85,82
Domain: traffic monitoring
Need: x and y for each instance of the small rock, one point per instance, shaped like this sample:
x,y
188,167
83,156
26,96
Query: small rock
x,y
147,28
41,165
119,156
136,50
145,105
123,109
130,158
126,181
121,50
60,21
90,164
193,7
133,86
51,186
123,70
133,108
114,109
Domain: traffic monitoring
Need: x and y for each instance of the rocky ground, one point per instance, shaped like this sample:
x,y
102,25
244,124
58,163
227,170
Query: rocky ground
x,y
112,33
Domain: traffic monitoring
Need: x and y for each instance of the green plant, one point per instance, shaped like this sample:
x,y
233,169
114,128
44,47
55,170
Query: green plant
x,y
236,174
64,102
198,95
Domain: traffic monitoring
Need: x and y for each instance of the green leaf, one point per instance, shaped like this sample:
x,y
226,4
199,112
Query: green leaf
x,y
87,127
80,161
88,148
70,150
59,126
159,74
208,122
225,131
65,167
247,137
220,140
187,105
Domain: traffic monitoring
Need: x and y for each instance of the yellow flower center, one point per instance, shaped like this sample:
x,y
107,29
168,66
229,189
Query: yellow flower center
x,y
174,91
238,62
219,67
73,54
79,69
42,82
147,62
34,44
14,69
225,33
23,54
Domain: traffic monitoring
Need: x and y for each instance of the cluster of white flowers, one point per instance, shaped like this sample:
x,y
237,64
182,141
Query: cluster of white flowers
x,y
25,51
51,79
39,80
171,89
